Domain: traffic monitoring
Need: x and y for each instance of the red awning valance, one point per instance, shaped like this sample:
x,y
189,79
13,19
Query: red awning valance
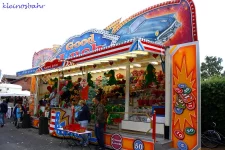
x,y
125,47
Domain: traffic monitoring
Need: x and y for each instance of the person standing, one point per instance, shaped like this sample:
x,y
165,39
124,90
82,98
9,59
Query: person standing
x,y
83,118
18,115
14,114
54,101
77,108
99,121
3,111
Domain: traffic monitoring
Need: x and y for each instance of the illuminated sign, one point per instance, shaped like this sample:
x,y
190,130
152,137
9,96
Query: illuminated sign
x,y
85,43
53,64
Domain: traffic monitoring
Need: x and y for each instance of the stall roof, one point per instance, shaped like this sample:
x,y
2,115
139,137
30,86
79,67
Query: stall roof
x,y
19,93
126,49
10,86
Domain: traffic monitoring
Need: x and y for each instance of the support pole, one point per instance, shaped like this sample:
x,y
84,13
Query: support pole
x,y
167,94
36,95
154,127
127,92
58,95
86,74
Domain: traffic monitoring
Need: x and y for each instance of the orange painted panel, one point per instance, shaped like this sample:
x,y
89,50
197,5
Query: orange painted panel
x,y
128,143
185,97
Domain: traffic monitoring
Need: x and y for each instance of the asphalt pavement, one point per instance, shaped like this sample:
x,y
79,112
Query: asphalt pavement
x,y
12,138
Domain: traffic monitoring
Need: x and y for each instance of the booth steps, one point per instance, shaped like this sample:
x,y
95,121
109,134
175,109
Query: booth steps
x,y
164,145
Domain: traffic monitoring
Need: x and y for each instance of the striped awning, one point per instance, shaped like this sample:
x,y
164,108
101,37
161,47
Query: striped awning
x,y
123,50
128,47
47,67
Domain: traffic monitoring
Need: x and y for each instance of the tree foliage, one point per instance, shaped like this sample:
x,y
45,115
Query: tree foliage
x,y
223,74
211,67
213,99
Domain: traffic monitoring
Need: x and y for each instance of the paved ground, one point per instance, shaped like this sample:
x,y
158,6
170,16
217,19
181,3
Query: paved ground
x,y
12,138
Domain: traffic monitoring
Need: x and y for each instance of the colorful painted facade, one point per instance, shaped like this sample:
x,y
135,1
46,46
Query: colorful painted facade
x,y
186,121
170,25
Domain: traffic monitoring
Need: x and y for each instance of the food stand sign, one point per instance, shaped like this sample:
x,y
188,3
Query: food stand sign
x,y
52,64
26,72
88,41
116,141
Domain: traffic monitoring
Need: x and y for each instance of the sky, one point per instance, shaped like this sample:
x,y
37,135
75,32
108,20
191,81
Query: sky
x,y
24,32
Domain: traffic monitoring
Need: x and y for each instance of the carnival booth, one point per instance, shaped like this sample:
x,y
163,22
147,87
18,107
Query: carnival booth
x,y
146,69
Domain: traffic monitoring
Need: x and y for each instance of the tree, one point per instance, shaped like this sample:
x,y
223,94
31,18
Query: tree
x,y
223,74
211,67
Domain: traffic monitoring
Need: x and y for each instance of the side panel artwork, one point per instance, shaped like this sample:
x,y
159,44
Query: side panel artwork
x,y
186,121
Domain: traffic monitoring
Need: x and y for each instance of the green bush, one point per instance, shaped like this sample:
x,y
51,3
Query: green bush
x,y
213,103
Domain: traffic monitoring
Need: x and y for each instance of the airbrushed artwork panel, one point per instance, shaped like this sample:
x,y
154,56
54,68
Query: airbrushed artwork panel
x,y
42,56
168,23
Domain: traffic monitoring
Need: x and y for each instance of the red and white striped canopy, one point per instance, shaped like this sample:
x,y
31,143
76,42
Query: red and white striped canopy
x,y
125,47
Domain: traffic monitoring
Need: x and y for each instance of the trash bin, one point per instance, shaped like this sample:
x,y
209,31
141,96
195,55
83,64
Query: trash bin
x,y
26,123
43,125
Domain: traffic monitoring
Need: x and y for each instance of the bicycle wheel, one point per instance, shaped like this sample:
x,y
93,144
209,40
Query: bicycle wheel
x,y
210,139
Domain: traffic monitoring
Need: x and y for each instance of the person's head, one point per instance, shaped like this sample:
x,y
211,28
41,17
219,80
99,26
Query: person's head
x,y
76,102
96,99
82,103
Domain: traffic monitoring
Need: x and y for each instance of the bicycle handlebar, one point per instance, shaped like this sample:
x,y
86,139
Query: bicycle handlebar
x,y
214,124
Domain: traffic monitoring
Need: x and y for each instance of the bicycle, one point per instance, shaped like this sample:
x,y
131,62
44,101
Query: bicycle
x,y
212,138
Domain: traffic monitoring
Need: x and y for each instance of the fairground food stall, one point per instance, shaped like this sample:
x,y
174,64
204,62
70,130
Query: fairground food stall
x,y
144,64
